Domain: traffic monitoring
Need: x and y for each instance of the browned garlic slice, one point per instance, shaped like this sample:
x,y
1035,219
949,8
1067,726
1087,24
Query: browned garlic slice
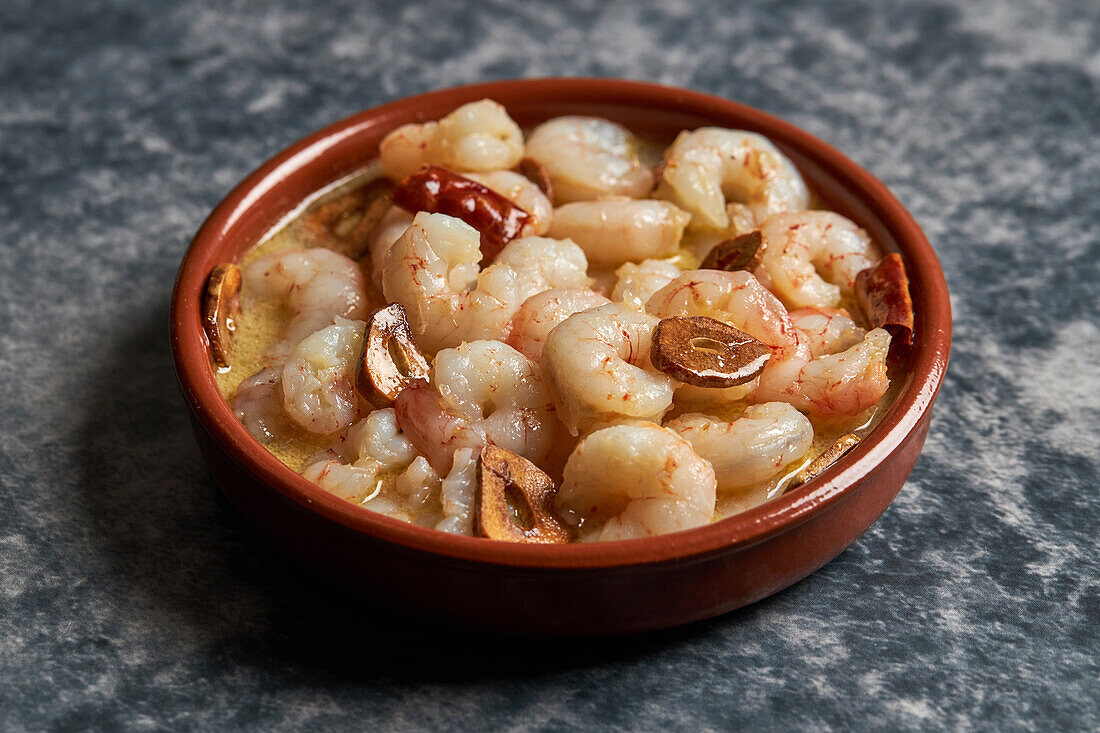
x,y
745,252
514,500
831,455
706,352
390,360
220,304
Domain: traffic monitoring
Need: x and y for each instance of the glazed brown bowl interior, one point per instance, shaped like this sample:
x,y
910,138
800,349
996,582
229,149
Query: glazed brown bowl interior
x,y
268,195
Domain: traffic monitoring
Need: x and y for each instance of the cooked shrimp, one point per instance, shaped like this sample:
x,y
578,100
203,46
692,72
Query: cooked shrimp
x,y
359,484
318,284
317,380
522,192
636,283
826,330
500,390
752,448
813,257
259,405
371,447
479,136
597,362
418,483
457,493
436,431
482,392
636,480
704,167
735,298
373,455
542,263
378,438
616,229
836,385
432,271
540,313
588,157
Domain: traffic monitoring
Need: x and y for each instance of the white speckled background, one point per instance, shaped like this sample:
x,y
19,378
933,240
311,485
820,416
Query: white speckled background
x,y
132,596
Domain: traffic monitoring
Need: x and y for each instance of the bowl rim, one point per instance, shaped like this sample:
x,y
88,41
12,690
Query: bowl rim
x,y
928,364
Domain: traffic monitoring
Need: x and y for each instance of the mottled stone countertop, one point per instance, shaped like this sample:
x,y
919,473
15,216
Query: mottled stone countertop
x,y
132,596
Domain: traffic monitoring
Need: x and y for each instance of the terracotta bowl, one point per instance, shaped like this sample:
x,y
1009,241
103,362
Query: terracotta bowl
x,y
589,589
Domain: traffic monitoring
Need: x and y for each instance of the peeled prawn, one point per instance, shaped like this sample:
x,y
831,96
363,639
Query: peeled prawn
x,y
614,230
597,362
542,312
371,447
826,330
482,392
479,136
752,448
435,431
588,157
457,494
812,257
318,378
258,404
705,167
418,483
635,480
500,390
318,284
432,270
836,385
736,298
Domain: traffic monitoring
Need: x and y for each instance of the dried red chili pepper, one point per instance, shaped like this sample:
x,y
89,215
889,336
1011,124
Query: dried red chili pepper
x,y
441,191
883,295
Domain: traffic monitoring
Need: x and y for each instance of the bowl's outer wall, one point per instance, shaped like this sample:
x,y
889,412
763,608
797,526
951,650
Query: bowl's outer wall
x,y
552,601
614,587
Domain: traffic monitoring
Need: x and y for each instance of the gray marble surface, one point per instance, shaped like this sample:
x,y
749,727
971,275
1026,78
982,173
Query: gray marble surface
x,y
131,595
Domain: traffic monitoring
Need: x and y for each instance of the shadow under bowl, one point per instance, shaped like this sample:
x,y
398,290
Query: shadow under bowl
x,y
580,589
